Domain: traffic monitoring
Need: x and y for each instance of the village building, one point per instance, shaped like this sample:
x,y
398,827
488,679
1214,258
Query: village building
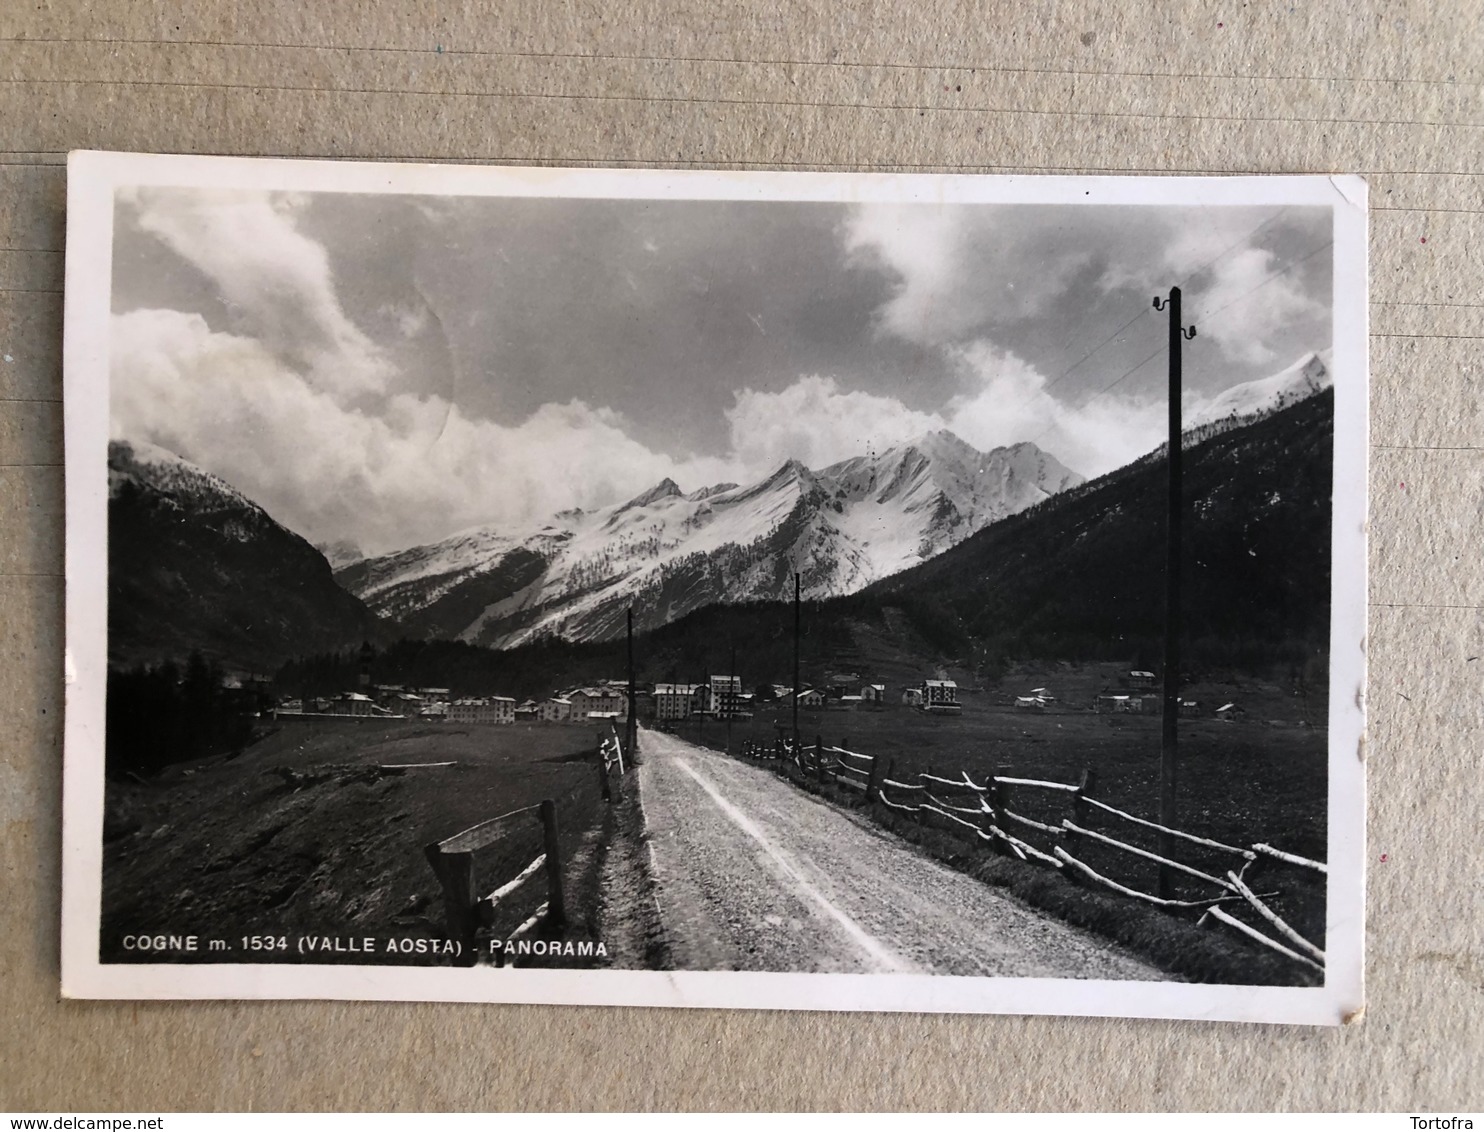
x,y
721,695
527,711
558,709
1138,678
482,709
912,697
673,701
848,702
1230,713
431,710
356,704
810,698
1190,708
873,694
406,704
940,696
1029,703
603,700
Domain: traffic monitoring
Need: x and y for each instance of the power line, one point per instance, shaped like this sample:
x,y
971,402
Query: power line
x,y
1145,310
1199,319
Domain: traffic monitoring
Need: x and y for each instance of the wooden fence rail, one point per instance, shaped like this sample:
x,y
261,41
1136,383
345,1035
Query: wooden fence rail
x,y
465,912
922,801
611,764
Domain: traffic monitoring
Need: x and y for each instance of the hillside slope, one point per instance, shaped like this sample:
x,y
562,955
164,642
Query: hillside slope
x,y
1083,574
193,564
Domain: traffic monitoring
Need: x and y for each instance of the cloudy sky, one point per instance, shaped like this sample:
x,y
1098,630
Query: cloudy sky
x,y
389,370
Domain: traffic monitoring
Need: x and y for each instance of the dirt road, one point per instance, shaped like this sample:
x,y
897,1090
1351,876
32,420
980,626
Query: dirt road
x,y
754,874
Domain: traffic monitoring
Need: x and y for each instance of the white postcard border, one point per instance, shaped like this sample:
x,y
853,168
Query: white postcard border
x,y
92,179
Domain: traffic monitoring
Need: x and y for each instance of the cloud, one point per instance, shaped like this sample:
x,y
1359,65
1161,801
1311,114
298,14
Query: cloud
x,y
418,468
306,411
965,274
815,421
1009,403
1246,303
960,271
275,280
411,473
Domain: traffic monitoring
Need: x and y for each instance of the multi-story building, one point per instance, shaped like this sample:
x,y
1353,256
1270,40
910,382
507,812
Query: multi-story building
x,y
940,696
558,709
674,701
723,694
482,709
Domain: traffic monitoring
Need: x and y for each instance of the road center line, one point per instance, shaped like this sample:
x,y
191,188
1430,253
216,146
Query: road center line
x,y
883,956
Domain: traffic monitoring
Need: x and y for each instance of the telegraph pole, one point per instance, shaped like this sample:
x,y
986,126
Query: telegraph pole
x,y
633,726
796,661
732,697
1170,734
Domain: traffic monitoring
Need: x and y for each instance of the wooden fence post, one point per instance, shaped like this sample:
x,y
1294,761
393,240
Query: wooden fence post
x,y
556,909
455,873
1085,786
603,774
873,781
999,798
820,769
616,780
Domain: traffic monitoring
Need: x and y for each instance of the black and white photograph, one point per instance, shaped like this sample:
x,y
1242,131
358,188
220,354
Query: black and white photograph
x,y
802,591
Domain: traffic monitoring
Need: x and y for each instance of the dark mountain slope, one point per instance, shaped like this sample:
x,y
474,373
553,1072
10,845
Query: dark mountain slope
x,y
1081,576
195,565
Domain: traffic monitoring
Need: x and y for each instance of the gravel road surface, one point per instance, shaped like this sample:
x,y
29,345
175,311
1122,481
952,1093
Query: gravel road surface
x,y
756,875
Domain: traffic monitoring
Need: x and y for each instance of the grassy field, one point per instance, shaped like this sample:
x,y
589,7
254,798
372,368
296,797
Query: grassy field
x,y
303,834
1261,779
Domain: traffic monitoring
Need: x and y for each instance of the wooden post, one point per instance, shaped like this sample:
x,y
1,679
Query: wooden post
x,y
873,780
1170,725
455,873
556,908
795,692
616,780
631,728
603,774
999,798
820,768
1085,786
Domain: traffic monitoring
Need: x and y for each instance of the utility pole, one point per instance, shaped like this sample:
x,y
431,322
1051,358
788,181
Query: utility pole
x,y
731,699
633,727
1170,734
796,660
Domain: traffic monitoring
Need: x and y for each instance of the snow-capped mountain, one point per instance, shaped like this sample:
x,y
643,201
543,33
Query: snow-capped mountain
x,y
666,552
1245,403
193,564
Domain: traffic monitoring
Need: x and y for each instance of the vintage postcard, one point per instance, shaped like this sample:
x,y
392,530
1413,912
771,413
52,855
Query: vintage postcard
x,y
804,591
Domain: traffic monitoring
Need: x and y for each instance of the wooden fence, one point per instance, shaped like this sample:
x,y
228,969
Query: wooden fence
x,y
466,912
611,764
452,860
987,813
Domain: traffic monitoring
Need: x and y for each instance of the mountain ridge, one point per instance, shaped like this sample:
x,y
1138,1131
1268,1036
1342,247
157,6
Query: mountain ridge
x,y
666,552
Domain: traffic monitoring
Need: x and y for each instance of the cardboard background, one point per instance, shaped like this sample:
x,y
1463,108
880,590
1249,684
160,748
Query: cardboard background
x,y
1394,92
